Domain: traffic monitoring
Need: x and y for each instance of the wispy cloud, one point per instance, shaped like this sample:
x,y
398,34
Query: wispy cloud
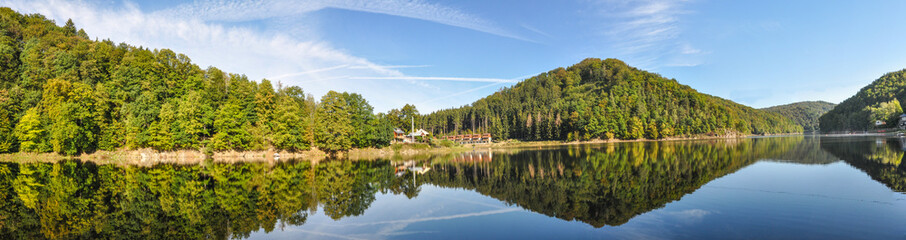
x,y
457,79
207,32
238,10
648,32
392,66
425,219
460,93
535,30
288,75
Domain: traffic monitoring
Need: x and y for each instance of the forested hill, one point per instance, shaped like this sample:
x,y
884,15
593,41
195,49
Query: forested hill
x,y
880,100
604,99
805,114
62,92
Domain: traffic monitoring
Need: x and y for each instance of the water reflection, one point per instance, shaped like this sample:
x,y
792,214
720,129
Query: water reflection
x,y
880,158
609,184
72,199
599,185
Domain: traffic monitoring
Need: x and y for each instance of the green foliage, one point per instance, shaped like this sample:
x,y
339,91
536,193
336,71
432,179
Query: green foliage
x,y
93,95
290,128
806,114
597,185
70,108
62,92
885,111
337,135
602,99
872,102
7,137
73,200
29,131
231,129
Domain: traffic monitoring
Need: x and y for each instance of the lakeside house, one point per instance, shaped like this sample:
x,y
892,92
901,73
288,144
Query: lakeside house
x,y
399,135
419,133
414,136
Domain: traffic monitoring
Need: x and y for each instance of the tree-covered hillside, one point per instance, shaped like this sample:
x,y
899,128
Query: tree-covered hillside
x,y
880,100
604,99
805,114
62,92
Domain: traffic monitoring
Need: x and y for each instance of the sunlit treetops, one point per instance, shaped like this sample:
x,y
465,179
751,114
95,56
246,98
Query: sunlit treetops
x,y
879,101
65,93
604,99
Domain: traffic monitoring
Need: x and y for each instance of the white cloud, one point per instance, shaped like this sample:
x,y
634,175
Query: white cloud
x,y
313,64
458,79
437,218
647,32
238,10
688,49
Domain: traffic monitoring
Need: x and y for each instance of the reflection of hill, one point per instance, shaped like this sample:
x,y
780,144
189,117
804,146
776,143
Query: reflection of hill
x,y
596,184
880,158
604,185
806,151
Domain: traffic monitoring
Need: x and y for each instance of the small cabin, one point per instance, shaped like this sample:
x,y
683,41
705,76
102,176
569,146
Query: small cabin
x,y
399,134
419,133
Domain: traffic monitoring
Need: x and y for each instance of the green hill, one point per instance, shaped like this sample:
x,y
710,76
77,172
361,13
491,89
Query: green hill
x,y
880,100
604,99
805,114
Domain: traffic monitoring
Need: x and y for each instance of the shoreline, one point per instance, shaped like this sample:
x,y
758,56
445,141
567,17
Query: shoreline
x,y
150,157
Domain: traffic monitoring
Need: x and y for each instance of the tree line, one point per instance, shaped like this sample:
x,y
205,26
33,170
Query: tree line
x,y
603,99
879,101
62,92
805,113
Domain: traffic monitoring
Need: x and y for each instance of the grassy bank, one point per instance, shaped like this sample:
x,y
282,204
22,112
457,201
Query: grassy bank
x,y
150,157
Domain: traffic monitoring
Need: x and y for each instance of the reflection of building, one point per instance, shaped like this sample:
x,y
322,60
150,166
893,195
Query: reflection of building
x,y
402,168
473,157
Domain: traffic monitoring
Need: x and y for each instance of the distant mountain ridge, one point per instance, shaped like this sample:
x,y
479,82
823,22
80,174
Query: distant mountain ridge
x,y
604,99
806,113
879,101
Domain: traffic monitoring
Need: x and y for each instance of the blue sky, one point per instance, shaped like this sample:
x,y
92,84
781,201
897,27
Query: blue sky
x,y
443,54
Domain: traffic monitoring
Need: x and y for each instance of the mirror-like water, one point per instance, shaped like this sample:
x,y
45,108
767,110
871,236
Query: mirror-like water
x,y
755,188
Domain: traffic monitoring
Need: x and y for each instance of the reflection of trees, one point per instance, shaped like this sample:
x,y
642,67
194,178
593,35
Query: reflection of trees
x,y
597,184
605,185
880,158
82,200
805,151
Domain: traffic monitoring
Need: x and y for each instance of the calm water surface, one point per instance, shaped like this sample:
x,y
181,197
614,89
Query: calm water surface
x,y
757,188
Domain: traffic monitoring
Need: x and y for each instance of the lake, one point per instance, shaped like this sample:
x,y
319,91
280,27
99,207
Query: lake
x,y
797,187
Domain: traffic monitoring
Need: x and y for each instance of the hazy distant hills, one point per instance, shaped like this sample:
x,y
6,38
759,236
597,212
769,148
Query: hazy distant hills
x,y
805,114
604,99
880,100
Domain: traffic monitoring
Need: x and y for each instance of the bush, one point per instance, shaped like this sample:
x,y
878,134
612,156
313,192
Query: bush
x,y
447,143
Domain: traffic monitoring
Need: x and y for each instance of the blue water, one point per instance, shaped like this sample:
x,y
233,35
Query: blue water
x,y
767,200
756,188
